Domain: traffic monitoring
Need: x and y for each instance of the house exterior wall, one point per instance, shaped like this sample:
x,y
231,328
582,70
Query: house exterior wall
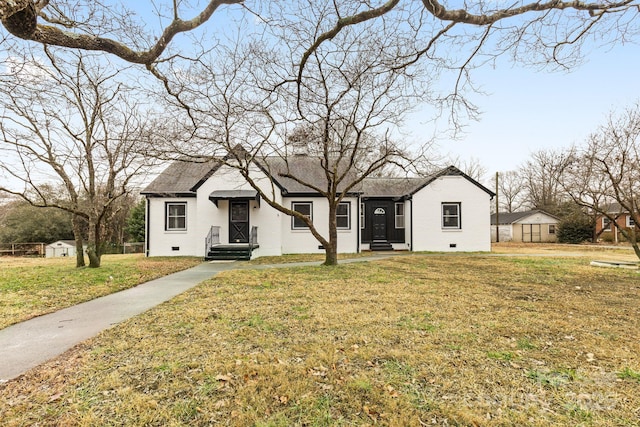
x,y
261,215
428,231
59,249
423,219
505,230
302,241
396,236
610,232
540,224
161,242
202,214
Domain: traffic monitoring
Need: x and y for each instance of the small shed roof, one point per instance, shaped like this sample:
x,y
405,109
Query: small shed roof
x,y
513,217
62,243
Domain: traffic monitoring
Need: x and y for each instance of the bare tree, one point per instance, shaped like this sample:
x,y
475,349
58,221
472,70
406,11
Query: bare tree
x,y
339,113
324,74
471,167
607,170
541,175
76,24
511,189
66,125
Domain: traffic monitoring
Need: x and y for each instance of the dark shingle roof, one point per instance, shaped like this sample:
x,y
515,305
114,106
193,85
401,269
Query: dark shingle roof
x,y
307,167
511,217
182,177
390,187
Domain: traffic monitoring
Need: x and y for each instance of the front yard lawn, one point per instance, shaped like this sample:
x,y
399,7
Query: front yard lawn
x,y
32,287
406,341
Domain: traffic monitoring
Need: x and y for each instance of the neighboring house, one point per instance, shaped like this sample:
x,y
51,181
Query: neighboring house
x,y
208,209
604,227
61,248
527,226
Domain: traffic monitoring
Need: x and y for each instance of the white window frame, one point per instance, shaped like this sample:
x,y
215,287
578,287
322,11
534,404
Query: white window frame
x,y
630,221
399,217
347,216
303,226
168,217
606,224
362,220
552,229
458,216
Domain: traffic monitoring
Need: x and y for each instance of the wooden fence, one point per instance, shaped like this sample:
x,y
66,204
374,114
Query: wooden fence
x,y
23,249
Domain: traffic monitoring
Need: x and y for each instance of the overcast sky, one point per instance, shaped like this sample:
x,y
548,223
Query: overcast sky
x,y
526,110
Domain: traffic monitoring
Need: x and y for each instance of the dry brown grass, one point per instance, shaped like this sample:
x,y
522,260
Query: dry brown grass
x,y
416,340
600,252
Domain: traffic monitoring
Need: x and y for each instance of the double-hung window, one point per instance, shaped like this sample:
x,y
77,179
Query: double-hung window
x,y
451,216
630,221
606,224
306,209
399,216
343,216
176,216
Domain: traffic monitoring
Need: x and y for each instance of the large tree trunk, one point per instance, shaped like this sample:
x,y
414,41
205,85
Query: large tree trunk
x,y
636,249
77,234
19,17
630,236
94,246
331,250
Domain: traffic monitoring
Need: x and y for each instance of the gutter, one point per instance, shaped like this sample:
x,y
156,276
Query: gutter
x,y
147,226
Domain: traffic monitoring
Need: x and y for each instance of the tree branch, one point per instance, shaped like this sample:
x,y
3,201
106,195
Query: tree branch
x,y
19,17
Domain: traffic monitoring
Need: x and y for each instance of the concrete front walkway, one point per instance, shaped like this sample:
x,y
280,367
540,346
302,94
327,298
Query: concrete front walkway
x,y
28,344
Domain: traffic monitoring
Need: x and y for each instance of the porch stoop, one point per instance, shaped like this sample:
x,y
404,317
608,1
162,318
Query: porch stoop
x,y
380,246
230,252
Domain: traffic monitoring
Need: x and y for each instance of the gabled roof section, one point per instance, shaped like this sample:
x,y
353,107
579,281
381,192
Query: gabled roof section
x,y
512,217
391,187
454,171
182,178
307,167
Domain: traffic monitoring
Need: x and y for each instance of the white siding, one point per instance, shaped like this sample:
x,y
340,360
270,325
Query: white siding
x,y
302,241
261,215
202,213
505,233
173,243
474,234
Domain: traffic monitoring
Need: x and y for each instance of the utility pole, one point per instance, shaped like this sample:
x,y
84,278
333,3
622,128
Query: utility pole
x,y
497,212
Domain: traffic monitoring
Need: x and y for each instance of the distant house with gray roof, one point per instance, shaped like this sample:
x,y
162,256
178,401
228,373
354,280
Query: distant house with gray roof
x,y
527,226
208,209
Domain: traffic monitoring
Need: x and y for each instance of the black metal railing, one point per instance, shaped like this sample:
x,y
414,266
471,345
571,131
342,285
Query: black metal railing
x,y
213,238
253,238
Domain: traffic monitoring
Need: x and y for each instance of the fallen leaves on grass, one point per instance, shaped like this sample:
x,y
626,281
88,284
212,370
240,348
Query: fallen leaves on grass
x,y
406,341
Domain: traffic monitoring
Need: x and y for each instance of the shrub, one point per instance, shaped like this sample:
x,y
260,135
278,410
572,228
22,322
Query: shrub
x,y
575,230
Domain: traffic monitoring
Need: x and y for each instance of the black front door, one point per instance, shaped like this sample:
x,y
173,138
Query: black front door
x,y
239,221
379,224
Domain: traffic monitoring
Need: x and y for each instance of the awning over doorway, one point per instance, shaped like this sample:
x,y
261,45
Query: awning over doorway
x,y
234,195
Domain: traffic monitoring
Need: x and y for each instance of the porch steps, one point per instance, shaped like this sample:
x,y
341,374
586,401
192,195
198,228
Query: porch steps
x,y
230,252
380,246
